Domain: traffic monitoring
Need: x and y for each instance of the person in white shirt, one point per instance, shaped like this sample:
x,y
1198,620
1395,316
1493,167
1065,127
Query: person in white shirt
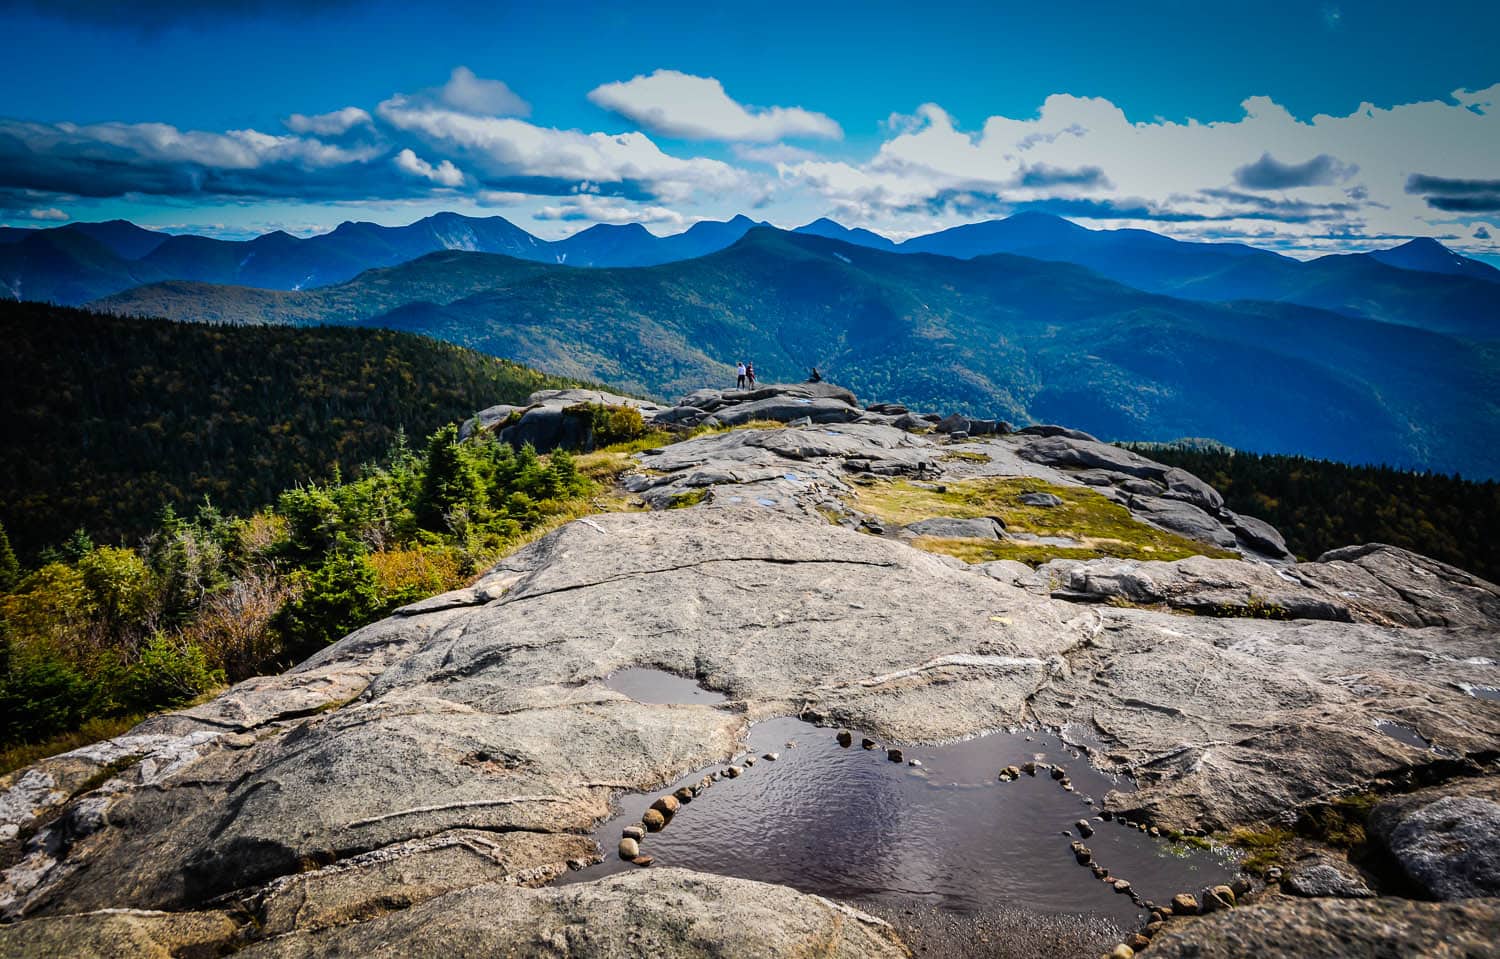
x,y
740,375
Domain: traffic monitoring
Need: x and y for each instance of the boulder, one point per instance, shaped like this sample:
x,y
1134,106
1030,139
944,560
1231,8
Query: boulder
x,y
948,527
1446,839
1258,535
1321,875
1039,499
1396,586
1049,430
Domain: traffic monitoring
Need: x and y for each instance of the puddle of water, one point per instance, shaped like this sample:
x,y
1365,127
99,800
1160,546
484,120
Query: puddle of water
x,y
1403,733
851,824
1490,693
659,688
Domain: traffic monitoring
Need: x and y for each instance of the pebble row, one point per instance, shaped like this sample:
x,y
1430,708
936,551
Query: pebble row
x,y
659,816
1208,900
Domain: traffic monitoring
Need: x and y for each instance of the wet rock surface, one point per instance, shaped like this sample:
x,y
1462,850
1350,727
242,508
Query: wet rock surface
x,y
444,763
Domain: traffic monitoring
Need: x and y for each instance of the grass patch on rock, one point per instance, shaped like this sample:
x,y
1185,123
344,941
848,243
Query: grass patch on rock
x,y
1264,847
1098,526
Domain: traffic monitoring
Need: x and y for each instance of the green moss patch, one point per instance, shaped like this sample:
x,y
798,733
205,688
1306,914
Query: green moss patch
x,y
1097,525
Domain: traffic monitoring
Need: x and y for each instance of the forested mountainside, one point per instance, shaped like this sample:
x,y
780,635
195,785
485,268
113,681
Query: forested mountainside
x,y
998,336
1320,505
109,419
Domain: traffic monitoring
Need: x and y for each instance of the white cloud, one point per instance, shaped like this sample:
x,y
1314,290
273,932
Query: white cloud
x,y
595,209
1179,177
507,149
773,154
49,213
332,124
468,93
444,174
670,103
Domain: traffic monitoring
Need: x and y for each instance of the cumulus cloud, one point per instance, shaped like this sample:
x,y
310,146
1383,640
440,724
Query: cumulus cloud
x,y
1481,233
48,214
929,173
1268,173
444,173
467,93
594,209
511,154
332,124
675,104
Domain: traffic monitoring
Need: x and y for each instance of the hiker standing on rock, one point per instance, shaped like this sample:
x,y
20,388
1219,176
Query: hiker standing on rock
x,y
739,380
750,374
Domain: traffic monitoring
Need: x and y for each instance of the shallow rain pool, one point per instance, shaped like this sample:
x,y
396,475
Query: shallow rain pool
x,y
852,824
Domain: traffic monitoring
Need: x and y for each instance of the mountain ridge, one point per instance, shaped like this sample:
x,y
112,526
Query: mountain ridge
x,y
1002,336
1425,285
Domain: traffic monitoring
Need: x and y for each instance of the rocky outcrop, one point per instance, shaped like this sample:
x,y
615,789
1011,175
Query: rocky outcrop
x,y
667,913
544,421
1337,929
413,787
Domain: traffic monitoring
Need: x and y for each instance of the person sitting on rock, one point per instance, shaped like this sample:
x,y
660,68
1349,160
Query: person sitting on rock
x,y
750,374
739,381
815,376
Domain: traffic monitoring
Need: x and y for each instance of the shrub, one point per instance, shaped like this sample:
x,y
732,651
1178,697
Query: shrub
x,y
336,598
167,673
42,694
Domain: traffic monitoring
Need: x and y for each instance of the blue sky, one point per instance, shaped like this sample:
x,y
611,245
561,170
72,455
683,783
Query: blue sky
x,y
1304,126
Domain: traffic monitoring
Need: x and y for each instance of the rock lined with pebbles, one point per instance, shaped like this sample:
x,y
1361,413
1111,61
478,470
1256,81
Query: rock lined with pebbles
x,y
629,848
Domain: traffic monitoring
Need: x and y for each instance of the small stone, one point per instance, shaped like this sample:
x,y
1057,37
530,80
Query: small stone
x,y
733,772
1155,831
1122,951
683,795
1274,874
629,848
1241,887
914,762
1152,928
749,761
636,831
845,738
1084,829
643,860
654,821
1216,899
1122,886
1010,773
1058,772
1067,787
894,755
1106,815
667,806
1084,855
1029,768
1099,871
1137,942
1184,904
771,757
868,743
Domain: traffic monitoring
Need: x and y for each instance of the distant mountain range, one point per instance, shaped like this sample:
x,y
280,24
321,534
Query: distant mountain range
x,y
1023,337
1420,283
